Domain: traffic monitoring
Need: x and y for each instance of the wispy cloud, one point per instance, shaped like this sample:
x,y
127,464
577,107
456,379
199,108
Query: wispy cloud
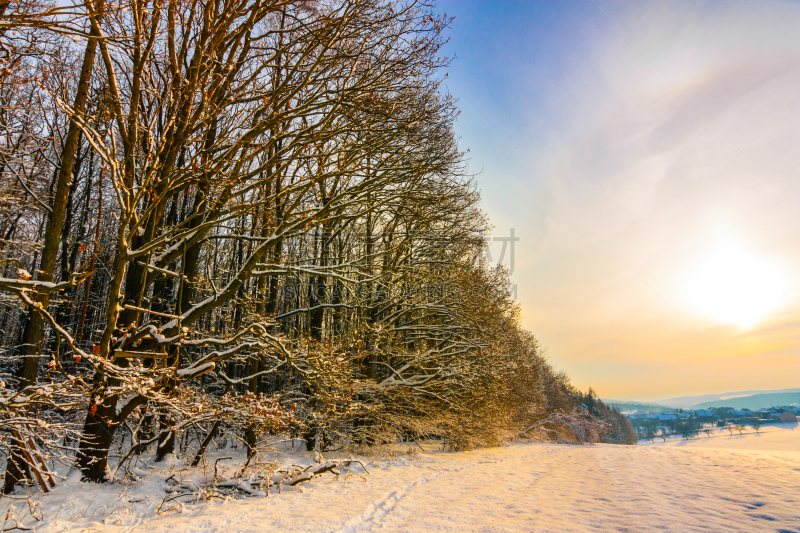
x,y
684,129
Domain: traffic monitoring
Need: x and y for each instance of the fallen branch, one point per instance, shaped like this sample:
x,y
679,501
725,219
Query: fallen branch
x,y
290,477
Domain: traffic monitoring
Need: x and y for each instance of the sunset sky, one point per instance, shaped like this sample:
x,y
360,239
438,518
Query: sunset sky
x,y
647,155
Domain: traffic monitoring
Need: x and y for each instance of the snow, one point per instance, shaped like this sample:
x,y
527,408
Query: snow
x,y
720,483
771,437
195,370
123,402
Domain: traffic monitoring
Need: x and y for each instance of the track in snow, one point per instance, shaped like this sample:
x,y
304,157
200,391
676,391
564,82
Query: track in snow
x,y
535,487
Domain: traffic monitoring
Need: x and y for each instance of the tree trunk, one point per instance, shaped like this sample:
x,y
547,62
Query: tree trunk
x,y
166,439
17,469
250,432
34,328
98,433
206,442
33,332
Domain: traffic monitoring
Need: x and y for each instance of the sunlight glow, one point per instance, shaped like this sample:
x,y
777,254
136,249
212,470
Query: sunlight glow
x,y
734,286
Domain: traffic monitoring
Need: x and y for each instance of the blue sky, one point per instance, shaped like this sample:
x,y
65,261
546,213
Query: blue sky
x,y
647,155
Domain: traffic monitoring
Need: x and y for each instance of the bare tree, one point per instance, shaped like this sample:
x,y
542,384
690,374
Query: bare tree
x,y
256,208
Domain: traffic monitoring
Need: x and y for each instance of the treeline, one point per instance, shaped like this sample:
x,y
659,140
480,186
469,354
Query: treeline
x,y
663,429
249,215
618,428
634,406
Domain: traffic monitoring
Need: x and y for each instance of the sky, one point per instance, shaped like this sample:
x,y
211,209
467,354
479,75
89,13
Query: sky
x,y
647,156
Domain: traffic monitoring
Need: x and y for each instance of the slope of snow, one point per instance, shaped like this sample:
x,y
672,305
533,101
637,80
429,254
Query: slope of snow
x,y
526,487
772,437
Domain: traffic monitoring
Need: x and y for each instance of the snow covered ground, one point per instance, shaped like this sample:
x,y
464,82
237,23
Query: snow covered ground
x,y
772,437
720,483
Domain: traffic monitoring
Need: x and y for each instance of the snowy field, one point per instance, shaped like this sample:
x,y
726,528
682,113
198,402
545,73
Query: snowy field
x,y
745,483
773,437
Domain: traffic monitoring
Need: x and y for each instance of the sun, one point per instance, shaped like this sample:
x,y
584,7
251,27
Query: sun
x,y
734,286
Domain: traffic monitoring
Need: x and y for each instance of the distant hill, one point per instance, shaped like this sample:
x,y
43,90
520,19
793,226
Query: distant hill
x,y
755,401
710,400
752,399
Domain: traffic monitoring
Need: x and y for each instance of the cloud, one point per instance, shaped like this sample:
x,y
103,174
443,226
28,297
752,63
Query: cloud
x,y
622,141
632,129
686,133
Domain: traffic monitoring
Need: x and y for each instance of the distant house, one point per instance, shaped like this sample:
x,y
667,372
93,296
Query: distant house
x,y
667,417
788,417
